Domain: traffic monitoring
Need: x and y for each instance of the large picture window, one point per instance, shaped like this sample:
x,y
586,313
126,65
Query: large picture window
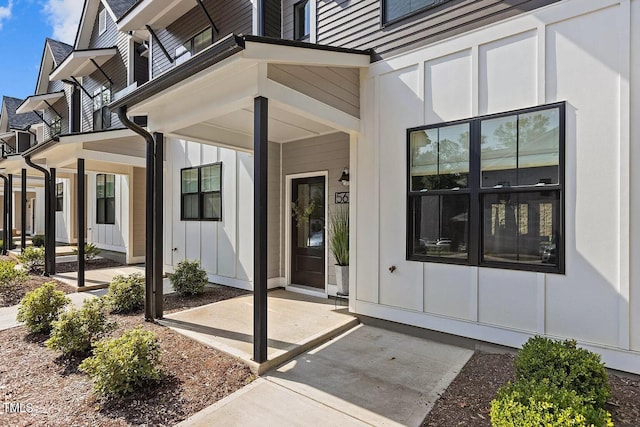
x,y
489,190
105,199
201,193
394,10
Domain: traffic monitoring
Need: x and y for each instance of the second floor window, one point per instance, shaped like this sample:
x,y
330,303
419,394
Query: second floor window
x,y
56,126
59,197
101,113
302,20
393,10
194,45
105,199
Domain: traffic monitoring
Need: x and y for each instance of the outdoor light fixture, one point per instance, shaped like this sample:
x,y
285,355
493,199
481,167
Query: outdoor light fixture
x,y
344,178
143,49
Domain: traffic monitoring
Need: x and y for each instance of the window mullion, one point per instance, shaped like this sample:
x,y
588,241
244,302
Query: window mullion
x,y
475,222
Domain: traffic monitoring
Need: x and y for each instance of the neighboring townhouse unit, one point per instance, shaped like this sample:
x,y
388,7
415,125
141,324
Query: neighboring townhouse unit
x,y
85,79
18,133
488,146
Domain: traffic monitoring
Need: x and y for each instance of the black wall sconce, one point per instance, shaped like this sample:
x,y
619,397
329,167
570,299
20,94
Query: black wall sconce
x,y
344,178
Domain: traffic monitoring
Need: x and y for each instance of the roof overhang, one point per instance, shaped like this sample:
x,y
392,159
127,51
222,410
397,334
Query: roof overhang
x,y
210,97
82,63
155,13
6,135
39,102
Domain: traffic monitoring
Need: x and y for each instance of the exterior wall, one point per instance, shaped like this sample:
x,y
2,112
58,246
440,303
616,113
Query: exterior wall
x,y
525,61
17,207
337,87
358,24
61,106
113,237
115,68
325,153
138,212
224,248
230,16
64,223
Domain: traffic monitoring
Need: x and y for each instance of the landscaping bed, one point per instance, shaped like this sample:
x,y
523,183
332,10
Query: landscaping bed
x,y
55,392
467,401
29,285
94,264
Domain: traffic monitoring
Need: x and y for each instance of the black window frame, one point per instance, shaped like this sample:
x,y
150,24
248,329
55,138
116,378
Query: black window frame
x,y
476,194
105,219
101,112
191,48
55,126
59,197
200,194
307,20
386,22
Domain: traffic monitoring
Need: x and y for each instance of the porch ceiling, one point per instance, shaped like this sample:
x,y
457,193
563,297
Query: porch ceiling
x,y
212,102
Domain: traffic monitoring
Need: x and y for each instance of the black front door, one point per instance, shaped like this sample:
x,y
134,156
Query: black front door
x,y
307,232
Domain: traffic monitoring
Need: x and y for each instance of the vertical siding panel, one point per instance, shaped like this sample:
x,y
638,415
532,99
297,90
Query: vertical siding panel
x,y
192,232
227,234
208,255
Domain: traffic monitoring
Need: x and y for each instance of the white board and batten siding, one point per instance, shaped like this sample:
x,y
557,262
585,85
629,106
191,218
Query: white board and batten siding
x,y
113,237
224,248
578,51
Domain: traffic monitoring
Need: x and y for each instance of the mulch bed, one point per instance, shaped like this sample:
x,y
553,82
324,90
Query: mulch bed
x,y
467,401
33,282
212,293
196,376
94,264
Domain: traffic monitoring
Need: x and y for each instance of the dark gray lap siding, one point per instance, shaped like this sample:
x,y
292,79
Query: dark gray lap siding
x,y
357,23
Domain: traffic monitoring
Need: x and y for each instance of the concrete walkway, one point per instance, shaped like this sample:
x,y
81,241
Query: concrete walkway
x,y
367,376
8,314
296,323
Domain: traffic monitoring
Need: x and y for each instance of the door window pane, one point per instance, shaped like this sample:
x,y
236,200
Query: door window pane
x,y
441,226
521,227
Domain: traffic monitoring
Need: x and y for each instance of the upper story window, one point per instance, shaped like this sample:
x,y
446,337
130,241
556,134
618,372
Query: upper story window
x,y
394,10
201,193
55,127
302,20
102,22
101,113
194,45
489,191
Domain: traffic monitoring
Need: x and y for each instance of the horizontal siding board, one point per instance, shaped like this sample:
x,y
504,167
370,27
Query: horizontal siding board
x,y
230,16
109,37
357,23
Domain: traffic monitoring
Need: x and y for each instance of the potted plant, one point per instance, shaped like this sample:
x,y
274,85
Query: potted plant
x,y
339,245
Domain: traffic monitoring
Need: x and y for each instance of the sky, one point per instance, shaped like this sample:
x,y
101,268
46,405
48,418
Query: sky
x,y
24,25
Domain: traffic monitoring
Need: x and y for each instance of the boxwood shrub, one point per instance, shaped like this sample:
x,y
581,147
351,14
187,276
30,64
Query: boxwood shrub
x,y
189,278
529,403
564,365
11,281
32,259
126,293
40,307
76,330
121,365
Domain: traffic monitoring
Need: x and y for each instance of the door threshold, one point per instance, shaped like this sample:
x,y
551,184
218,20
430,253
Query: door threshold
x,y
307,290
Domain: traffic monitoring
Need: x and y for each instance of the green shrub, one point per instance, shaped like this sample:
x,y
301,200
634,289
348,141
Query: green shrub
x,y
76,330
37,240
189,278
565,366
11,281
528,403
120,365
40,307
91,251
32,259
126,293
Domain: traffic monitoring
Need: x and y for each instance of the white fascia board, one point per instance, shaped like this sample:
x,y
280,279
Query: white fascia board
x,y
104,136
274,53
78,64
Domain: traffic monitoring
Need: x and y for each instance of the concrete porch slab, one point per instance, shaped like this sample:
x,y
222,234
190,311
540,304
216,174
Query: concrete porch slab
x,y
296,323
97,279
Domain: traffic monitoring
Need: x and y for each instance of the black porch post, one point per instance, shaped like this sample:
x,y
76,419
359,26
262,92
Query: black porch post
x,y
149,308
4,215
158,224
80,212
47,214
260,151
23,210
52,221
10,211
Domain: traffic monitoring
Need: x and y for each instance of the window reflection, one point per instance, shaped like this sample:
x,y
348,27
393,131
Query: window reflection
x,y
442,226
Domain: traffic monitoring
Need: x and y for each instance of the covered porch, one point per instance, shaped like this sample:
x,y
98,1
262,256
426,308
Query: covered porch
x,y
251,95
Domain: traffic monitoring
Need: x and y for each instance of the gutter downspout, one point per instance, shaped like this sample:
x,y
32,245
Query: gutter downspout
x,y
49,246
4,215
261,14
149,311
